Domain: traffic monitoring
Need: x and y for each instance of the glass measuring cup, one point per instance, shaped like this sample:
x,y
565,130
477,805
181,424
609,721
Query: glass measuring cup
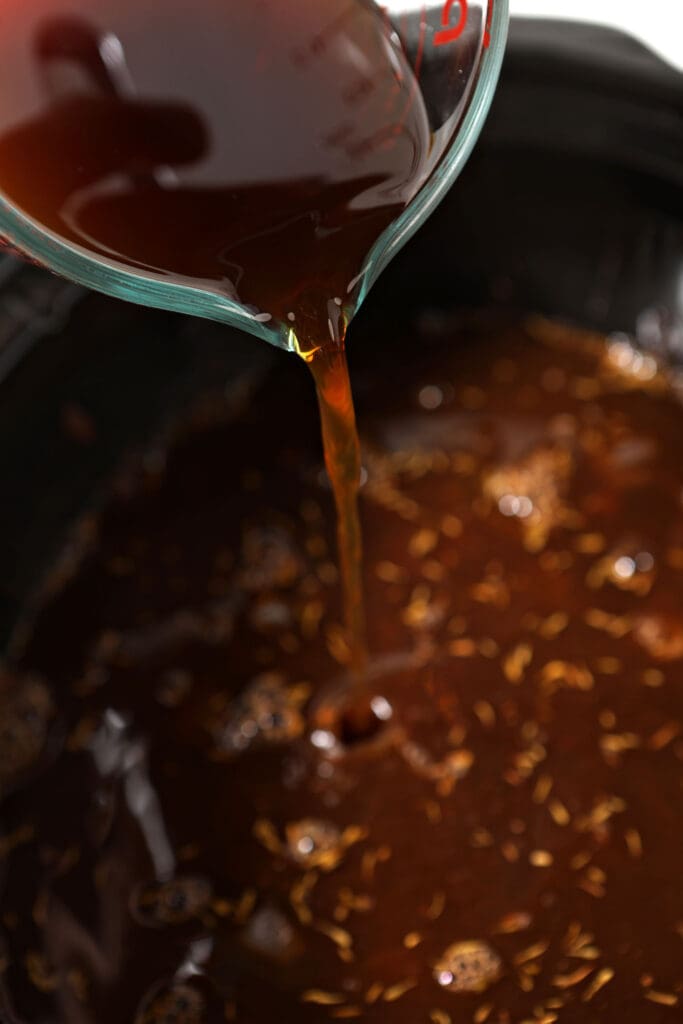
x,y
452,50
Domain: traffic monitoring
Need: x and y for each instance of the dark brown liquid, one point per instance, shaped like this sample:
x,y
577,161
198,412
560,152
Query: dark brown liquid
x,y
182,841
259,149
343,462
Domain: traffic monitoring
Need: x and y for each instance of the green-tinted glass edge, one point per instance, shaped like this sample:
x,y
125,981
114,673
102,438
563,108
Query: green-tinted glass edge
x,y
78,265
402,230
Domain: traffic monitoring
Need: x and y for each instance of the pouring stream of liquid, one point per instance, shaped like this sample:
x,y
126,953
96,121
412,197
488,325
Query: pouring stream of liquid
x,y
342,458
189,191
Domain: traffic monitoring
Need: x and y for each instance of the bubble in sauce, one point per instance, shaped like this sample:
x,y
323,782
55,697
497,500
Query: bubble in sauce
x,y
267,711
269,934
468,967
661,635
176,1004
314,843
175,902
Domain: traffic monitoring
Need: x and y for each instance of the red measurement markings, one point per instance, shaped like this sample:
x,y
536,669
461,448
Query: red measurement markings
x,y
487,31
421,45
317,45
449,33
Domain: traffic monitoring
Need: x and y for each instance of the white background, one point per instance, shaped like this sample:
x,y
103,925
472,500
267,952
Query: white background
x,y
659,23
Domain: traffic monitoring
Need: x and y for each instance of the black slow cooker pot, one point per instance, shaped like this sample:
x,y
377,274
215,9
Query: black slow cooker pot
x,y
571,206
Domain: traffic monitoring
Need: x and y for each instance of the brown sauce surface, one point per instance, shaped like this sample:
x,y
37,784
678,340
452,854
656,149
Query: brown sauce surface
x,y
185,838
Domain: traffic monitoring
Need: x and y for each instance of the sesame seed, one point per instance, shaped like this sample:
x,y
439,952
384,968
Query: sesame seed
x,y
599,981
321,998
662,998
540,858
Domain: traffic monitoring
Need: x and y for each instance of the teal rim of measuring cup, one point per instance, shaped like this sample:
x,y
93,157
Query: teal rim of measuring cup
x,y
149,289
110,278
468,131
